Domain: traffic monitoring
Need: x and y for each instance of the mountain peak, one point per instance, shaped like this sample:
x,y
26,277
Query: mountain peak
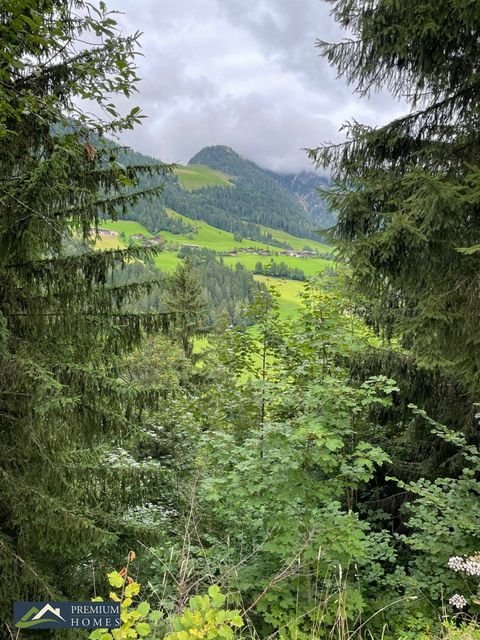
x,y
214,153
296,194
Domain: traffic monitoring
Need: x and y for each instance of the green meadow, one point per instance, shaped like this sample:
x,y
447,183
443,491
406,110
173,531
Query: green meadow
x,y
218,240
207,236
198,176
298,244
289,291
310,266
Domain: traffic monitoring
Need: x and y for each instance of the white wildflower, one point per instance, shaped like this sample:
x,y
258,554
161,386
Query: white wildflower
x,y
458,601
457,563
472,566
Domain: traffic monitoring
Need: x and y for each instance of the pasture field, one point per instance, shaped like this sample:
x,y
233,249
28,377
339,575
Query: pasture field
x,y
290,291
198,176
167,261
128,227
207,236
107,242
310,266
296,243
219,240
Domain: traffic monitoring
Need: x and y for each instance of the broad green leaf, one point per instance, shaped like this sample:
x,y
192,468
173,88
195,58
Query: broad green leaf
x,y
142,628
143,608
115,579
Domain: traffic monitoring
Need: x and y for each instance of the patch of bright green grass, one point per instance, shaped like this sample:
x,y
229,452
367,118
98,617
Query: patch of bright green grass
x,y
289,301
209,237
296,243
309,266
198,176
107,242
219,240
167,261
128,227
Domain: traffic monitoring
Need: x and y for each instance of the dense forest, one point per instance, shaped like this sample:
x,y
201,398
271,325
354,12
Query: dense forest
x,y
224,293
173,443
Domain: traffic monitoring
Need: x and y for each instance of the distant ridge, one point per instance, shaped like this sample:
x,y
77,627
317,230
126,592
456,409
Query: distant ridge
x,y
296,193
234,194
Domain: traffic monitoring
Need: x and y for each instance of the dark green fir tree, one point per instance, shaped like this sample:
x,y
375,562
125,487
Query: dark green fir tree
x,y
64,412
184,298
408,193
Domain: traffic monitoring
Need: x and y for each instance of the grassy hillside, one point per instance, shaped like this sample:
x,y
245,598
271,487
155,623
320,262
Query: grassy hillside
x,y
167,261
296,243
228,192
105,243
290,301
257,197
128,227
215,239
209,237
200,176
218,240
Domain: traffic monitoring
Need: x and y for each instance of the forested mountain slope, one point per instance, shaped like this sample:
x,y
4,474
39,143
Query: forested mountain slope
x,y
233,194
305,187
259,195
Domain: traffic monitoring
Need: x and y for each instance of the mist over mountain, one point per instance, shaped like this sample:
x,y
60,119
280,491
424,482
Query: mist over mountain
x,y
305,187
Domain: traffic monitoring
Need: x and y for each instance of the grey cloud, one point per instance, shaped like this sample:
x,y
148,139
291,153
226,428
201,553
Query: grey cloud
x,y
289,30
242,74
249,125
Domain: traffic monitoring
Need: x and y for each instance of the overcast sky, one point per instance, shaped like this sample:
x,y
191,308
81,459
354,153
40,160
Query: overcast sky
x,y
243,73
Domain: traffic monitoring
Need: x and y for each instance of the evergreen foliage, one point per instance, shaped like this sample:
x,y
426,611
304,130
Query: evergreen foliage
x,y
63,327
184,298
226,291
406,193
290,462
279,270
256,196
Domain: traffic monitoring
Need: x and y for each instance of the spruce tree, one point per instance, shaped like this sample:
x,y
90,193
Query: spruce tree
x,y
407,193
184,298
63,406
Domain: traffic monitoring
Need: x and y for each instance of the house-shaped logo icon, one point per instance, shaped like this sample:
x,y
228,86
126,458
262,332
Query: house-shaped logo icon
x,y
36,616
48,609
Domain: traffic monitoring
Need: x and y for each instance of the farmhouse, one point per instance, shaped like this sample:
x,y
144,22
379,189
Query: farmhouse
x,y
107,233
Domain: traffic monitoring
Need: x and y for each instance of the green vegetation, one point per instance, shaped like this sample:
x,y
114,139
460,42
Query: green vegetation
x,y
310,266
167,261
298,244
279,270
293,462
204,235
209,237
200,176
128,227
257,199
405,191
63,328
289,294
